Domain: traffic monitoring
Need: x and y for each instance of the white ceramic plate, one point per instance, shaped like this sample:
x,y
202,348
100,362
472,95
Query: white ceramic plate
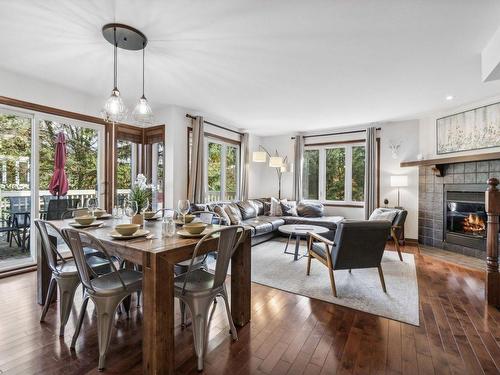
x,y
185,233
139,233
74,224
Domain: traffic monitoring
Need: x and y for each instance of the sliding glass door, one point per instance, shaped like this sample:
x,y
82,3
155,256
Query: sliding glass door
x,y
15,188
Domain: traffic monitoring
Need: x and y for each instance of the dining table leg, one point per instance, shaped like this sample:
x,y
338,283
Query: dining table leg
x,y
241,283
158,315
43,273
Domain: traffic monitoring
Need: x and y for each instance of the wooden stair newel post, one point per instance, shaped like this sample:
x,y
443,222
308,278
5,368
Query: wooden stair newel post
x,y
492,276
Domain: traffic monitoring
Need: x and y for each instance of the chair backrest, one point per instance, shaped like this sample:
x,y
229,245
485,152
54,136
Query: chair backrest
x,y
77,240
56,208
399,219
19,204
48,247
360,244
229,238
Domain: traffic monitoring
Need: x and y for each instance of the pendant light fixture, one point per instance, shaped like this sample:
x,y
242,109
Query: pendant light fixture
x,y
142,113
114,109
129,38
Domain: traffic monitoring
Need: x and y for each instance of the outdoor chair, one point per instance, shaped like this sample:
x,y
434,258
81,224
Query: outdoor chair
x,y
57,207
64,272
356,244
198,288
106,291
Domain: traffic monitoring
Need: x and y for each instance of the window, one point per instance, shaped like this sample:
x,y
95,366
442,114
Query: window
x,y
222,177
334,173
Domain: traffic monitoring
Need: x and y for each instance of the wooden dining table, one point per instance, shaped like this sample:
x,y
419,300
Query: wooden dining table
x,y
157,256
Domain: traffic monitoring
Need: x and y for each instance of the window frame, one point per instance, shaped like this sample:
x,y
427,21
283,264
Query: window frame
x,y
224,145
347,146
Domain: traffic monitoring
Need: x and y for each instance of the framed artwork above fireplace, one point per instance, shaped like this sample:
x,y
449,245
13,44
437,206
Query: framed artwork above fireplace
x,y
475,129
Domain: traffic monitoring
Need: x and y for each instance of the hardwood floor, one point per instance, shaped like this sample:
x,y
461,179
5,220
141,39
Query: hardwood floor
x,y
288,334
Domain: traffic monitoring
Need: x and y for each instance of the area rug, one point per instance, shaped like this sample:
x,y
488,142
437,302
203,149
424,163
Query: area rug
x,y
360,290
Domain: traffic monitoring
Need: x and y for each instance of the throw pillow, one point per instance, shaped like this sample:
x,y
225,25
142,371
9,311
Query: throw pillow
x,y
234,213
379,214
267,208
276,207
219,210
288,209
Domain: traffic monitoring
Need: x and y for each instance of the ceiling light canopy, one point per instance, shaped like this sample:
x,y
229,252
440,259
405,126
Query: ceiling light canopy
x,y
114,109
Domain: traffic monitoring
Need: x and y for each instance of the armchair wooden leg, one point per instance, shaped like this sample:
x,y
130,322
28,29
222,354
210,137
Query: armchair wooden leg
x,y
332,282
396,243
382,281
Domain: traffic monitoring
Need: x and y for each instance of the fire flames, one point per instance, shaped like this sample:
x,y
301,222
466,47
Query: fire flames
x,y
474,224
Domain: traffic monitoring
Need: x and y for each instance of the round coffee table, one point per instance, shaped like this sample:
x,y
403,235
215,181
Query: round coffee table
x,y
299,231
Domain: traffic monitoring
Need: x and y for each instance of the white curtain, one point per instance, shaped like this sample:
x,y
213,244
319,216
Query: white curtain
x,y
245,165
370,171
196,172
297,167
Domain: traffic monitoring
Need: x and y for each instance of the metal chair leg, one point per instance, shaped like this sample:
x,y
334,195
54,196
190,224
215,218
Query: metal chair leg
x,y
233,332
182,306
67,289
81,316
106,308
48,299
199,316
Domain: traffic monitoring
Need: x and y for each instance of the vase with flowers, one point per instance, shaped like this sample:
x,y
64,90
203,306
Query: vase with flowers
x,y
140,193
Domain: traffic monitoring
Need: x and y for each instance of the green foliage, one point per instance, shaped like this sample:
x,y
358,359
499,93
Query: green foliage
x,y
81,161
335,174
358,173
311,174
124,165
214,166
231,169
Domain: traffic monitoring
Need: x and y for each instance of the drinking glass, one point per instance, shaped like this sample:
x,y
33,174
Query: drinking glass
x,y
145,206
92,205
131,209
183,206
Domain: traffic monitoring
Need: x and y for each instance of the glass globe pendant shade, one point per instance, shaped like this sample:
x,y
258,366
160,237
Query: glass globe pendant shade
x,y
142,113
114,109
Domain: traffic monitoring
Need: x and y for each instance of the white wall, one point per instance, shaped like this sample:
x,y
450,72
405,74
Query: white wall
x,y
428,130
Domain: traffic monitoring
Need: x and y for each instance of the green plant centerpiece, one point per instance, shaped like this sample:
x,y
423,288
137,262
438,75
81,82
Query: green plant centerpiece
x,y
141,193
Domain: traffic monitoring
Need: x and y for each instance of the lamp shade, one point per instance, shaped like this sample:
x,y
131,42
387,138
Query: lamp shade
x,y
399,181
275,161
259,156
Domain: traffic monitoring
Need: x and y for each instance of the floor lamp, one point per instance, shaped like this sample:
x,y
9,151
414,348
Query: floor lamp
x,y
277,162
399,181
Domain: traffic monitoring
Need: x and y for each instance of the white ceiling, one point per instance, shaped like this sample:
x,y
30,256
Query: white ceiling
x,y
268,66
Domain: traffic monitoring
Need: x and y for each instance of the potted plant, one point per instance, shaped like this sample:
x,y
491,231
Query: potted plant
x,y
140,193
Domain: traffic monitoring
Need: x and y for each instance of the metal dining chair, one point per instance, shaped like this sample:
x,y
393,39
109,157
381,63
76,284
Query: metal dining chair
x,y
64,272
199,262
105,291
198,288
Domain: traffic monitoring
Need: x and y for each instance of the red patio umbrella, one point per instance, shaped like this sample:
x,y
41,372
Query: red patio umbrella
x,y
59,182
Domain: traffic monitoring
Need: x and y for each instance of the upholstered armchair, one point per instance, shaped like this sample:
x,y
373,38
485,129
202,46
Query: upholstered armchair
x,y
397,217
355,244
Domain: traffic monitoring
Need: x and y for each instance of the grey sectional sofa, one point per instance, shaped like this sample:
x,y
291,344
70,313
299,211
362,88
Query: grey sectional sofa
x,y
253,214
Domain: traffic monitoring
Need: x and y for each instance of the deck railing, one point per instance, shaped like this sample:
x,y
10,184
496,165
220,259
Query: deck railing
x,y
215,196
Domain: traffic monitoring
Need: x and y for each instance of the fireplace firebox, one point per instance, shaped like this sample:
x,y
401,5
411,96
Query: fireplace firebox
x,y
465,215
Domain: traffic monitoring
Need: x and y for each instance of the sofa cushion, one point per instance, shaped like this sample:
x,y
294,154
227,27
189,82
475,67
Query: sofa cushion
x,y
220,210
310,209
259,206
276,207
259,225
267,208
247,209
234,213
329,222
274,220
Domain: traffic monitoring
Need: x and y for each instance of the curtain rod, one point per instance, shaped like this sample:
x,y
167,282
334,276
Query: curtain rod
x,y
217,126
339,133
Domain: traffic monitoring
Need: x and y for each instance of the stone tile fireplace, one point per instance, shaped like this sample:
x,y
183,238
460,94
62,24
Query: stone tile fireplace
x,y
451,208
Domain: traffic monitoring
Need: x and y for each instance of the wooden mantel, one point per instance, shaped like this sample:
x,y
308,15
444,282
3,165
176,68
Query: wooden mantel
x,y
439,163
